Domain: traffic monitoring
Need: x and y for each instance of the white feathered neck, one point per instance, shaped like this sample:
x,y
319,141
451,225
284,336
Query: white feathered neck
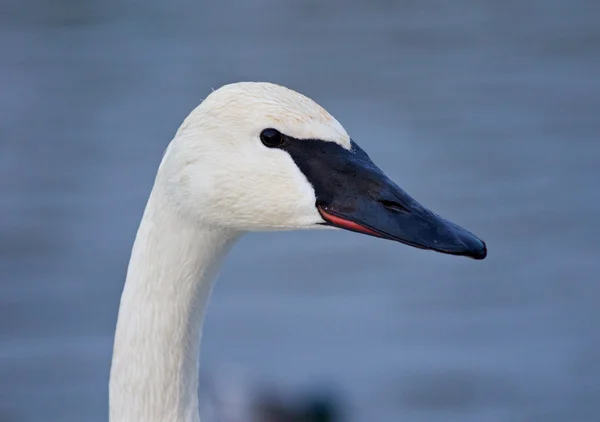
x,y
215,182
154,373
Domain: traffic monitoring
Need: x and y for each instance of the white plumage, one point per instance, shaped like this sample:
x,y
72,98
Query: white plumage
x,y
215,182
218,179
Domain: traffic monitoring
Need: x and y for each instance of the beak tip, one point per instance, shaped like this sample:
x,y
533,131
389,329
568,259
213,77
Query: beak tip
x,y
479,251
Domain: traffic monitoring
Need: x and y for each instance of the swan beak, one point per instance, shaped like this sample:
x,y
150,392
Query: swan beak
x,y
359,197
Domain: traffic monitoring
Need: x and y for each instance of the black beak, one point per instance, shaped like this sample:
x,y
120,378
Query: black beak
x,y
354,194
413,225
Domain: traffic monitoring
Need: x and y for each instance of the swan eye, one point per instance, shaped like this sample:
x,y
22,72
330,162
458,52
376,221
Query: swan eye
x,y
271,138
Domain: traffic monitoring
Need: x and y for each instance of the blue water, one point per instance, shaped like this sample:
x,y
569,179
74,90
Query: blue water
x,y
485,111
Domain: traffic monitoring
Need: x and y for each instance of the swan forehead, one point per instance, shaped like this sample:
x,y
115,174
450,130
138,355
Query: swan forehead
x,y
258,105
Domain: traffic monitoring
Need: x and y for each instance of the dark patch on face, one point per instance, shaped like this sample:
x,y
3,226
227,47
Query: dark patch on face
x,y
335,172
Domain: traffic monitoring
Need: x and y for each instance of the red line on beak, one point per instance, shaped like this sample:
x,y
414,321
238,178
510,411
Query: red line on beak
x,y
346,224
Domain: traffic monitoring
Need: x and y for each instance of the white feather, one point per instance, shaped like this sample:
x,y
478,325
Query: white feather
x,y
216,181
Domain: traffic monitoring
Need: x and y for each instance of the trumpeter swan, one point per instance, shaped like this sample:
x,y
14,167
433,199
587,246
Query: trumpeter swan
x,y
250,157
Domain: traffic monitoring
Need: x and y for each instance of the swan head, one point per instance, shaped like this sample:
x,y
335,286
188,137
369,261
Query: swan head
x,y
259,156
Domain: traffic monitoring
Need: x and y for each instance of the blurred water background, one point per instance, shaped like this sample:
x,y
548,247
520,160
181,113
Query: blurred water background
x,y
486,111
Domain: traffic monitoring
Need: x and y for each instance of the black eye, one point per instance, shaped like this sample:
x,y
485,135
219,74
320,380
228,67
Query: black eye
x,y
271,138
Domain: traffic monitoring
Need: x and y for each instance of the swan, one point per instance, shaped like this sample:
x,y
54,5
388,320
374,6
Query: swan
x,y
251,157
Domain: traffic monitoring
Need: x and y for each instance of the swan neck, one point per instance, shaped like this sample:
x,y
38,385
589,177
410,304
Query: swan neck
x,y
174,260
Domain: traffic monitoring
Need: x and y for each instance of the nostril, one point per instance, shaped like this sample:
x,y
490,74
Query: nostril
x,y
394,206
